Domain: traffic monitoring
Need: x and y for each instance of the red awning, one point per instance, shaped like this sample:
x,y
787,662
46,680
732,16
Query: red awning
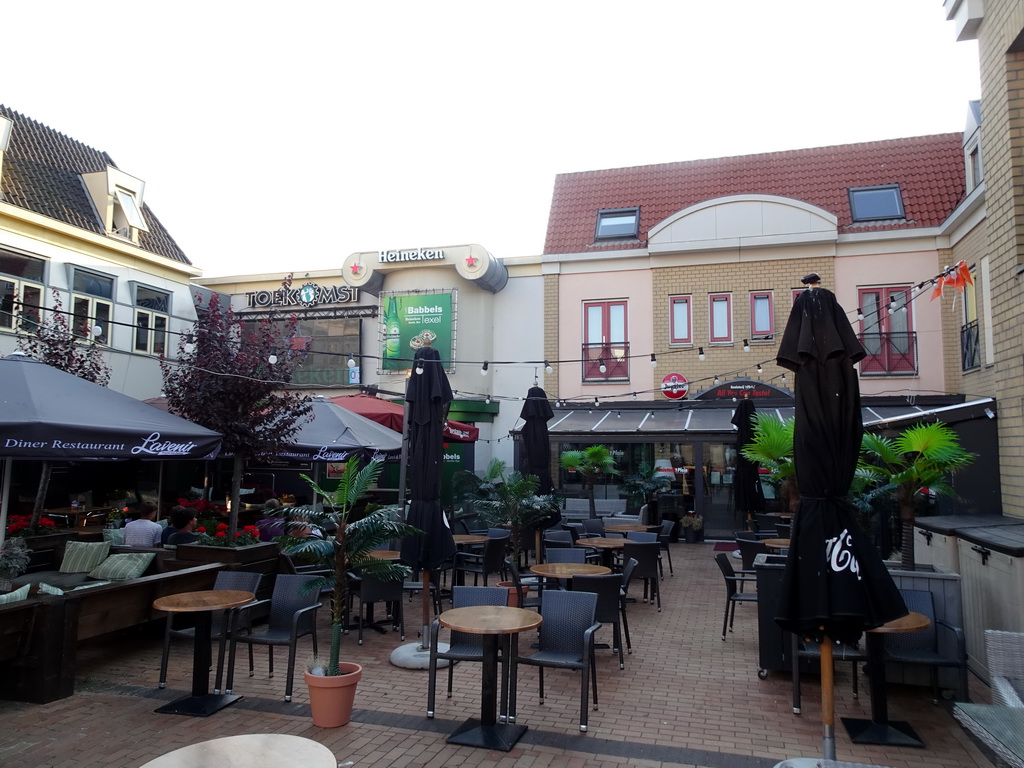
x,y
391,415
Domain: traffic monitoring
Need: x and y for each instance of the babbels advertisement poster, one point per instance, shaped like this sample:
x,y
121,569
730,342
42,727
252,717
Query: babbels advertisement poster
x,y
413,320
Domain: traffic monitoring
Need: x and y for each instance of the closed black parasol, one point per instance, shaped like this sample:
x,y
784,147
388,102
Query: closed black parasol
x,y
536,443
834,584
428,394
746,481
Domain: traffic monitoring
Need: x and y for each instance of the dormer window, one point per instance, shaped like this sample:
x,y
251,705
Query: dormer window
x,y
617,223
876,203
118,201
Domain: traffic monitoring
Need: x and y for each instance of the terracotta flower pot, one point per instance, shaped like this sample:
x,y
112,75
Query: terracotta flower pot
x,y
331,698
513,593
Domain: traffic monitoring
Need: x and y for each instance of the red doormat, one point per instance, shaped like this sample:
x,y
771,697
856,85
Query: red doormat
x,y
726,546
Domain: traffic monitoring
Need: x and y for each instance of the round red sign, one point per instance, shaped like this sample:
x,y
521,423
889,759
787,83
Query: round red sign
x,y
674,386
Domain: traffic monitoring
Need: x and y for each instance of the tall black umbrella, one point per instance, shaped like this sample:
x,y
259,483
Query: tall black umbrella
x,y
428,395
746,481
834,585
536,443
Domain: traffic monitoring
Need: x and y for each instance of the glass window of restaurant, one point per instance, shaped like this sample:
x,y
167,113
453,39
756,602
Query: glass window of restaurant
x,y
21,290
92,304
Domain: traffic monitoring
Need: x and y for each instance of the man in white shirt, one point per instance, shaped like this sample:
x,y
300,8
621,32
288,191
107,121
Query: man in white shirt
x,y
143,532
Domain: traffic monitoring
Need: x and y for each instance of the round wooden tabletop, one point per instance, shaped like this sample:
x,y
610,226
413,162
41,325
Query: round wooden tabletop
x,y
490,619
602,543
470,538
630,528
206,600
252,750
386,554
567,570
776,543
912,622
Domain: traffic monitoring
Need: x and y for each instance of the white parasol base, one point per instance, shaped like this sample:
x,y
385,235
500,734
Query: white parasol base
x,y
414,656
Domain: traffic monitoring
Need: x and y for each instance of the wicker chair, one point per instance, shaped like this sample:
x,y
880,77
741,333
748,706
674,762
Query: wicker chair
x,y
1005,651
646,555
370,590
566,642
293,610
240,580
732,593
611,607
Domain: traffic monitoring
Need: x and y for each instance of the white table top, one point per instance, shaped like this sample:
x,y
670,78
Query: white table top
x,y
253,750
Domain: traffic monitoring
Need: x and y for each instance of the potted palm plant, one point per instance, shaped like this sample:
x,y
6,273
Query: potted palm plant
x,y
513,503
338,545
772,448
641,486
919,460
590,463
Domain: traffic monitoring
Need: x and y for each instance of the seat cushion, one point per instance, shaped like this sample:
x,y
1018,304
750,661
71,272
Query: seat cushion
x,y
15,596
115,536
82,556
123,567
64,581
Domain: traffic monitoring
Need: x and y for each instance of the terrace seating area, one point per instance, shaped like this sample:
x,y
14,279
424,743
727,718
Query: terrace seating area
x,y
683,698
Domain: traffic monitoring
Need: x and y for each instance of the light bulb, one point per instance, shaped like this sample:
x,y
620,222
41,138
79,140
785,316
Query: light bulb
x,y
601,366
860,313
483,370
548,368
351,362
746,345
634,395
716,381
700,353
759,368
419,368
272,359
654,360
488,400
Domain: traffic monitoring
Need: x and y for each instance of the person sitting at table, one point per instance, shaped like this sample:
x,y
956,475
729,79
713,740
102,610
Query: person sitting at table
x,y
144,532
182,527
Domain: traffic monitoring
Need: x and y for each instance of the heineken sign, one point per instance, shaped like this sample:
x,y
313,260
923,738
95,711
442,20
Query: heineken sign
x,y
307,295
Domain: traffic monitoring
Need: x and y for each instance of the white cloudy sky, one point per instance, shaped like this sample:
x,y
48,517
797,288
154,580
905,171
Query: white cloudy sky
x,y
278,136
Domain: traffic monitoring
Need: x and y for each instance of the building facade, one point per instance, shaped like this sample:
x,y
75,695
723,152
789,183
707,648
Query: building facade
x,y
75,228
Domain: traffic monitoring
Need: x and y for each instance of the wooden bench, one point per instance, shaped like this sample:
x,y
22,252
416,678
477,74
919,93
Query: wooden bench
x,y
42,668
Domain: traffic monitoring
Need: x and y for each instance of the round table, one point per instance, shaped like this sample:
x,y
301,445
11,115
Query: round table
x,y
201,702
568,570
631,528
465,539
879,729
776,543
252,750
490,621
386,554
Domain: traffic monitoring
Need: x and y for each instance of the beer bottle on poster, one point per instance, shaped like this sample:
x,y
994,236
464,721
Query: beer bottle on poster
x,y
391,330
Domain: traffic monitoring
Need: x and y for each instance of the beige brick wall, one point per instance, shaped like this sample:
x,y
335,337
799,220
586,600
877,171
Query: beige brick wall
x,y
551,324
1002,142
738,279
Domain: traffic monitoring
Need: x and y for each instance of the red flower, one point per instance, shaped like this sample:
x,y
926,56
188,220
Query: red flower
x,y
221,534
222,526
200,529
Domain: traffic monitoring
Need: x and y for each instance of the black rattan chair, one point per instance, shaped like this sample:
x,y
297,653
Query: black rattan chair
x,y
566,642
611,607
293,608
732,592
646,555
371,590
928,647
491,560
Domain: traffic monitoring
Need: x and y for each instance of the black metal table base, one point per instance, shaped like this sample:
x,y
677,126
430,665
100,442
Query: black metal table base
x,y
473,733
891,734
199,706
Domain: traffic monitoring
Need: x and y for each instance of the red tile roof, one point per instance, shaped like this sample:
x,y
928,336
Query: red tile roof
x,y
929,170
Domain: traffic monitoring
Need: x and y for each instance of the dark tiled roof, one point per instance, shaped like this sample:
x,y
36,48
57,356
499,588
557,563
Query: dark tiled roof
x,y
42,173
929,170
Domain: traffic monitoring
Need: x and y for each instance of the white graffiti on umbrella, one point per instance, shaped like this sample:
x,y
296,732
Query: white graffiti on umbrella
x,y
839,554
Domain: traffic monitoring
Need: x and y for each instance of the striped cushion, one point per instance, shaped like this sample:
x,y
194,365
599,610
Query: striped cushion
x,y
15,596
46,589
123,567
114,535
82,557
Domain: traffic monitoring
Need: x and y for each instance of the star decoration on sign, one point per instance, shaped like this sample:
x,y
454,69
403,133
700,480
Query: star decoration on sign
x,y
357,268
471,260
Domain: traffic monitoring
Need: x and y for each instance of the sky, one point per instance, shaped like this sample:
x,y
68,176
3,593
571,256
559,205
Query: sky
x,y
277,137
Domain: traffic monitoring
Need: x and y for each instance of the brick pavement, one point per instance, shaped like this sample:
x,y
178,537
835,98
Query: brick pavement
x,y
686,698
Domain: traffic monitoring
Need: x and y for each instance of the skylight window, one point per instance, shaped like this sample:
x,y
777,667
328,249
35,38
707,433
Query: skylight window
x,y
618,223
130,208
876,203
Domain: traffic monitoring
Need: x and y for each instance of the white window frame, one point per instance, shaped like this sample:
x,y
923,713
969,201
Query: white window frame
x,y
768,332
131,211
714,335
18,304
609,215
93,304
674,305
154,342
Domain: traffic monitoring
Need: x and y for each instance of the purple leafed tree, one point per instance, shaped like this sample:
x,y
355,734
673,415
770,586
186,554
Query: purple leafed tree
x,y
52,341
229,376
